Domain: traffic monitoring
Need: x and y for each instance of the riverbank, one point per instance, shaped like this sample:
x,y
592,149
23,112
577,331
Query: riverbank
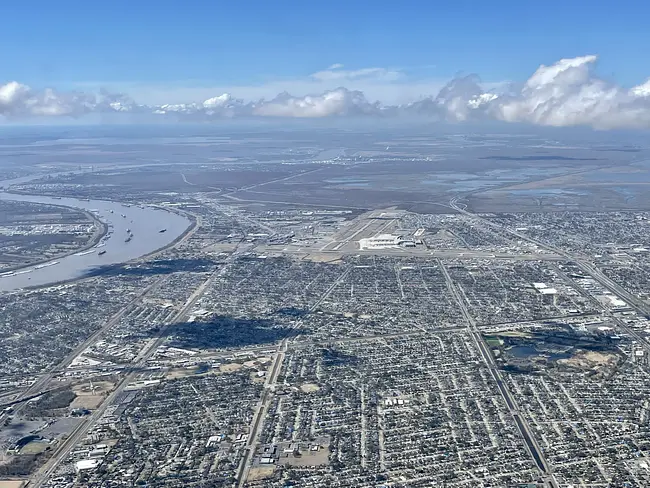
x,y
98,272
151,228
98,235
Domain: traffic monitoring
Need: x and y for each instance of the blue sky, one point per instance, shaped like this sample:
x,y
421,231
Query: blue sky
x,y
552,63
178,48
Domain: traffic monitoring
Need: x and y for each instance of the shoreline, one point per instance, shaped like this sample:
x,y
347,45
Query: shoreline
x,y
94,240
190,229
191,224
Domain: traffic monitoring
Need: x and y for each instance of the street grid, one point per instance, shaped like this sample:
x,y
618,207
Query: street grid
x,y
299,361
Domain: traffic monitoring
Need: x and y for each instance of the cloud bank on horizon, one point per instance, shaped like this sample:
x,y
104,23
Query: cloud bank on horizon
x,y
566,93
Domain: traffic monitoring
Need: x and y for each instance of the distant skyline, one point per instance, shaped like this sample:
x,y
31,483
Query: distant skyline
x,y
73,58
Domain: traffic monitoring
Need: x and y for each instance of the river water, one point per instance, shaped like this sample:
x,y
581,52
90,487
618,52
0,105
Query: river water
x,y
145,223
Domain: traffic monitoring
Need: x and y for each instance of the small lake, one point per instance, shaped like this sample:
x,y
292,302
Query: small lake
x,y
523,352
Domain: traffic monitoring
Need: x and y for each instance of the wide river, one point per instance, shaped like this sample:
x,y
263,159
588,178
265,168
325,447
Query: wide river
x,y
145,223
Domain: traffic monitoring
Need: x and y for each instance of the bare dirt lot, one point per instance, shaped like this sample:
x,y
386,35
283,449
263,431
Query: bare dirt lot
x,y
12,483
90,397
260,473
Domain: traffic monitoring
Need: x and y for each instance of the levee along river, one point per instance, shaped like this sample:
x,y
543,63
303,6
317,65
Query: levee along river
x,y
133,231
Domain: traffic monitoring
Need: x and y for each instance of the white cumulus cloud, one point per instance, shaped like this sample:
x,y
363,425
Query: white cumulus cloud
x,y
19,101
565,93
641,90
335,102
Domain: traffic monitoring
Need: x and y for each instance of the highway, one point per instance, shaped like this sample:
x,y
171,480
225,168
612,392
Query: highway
x,y
40,386
588,268
80,432
529,439
246,462
420,252
258,419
